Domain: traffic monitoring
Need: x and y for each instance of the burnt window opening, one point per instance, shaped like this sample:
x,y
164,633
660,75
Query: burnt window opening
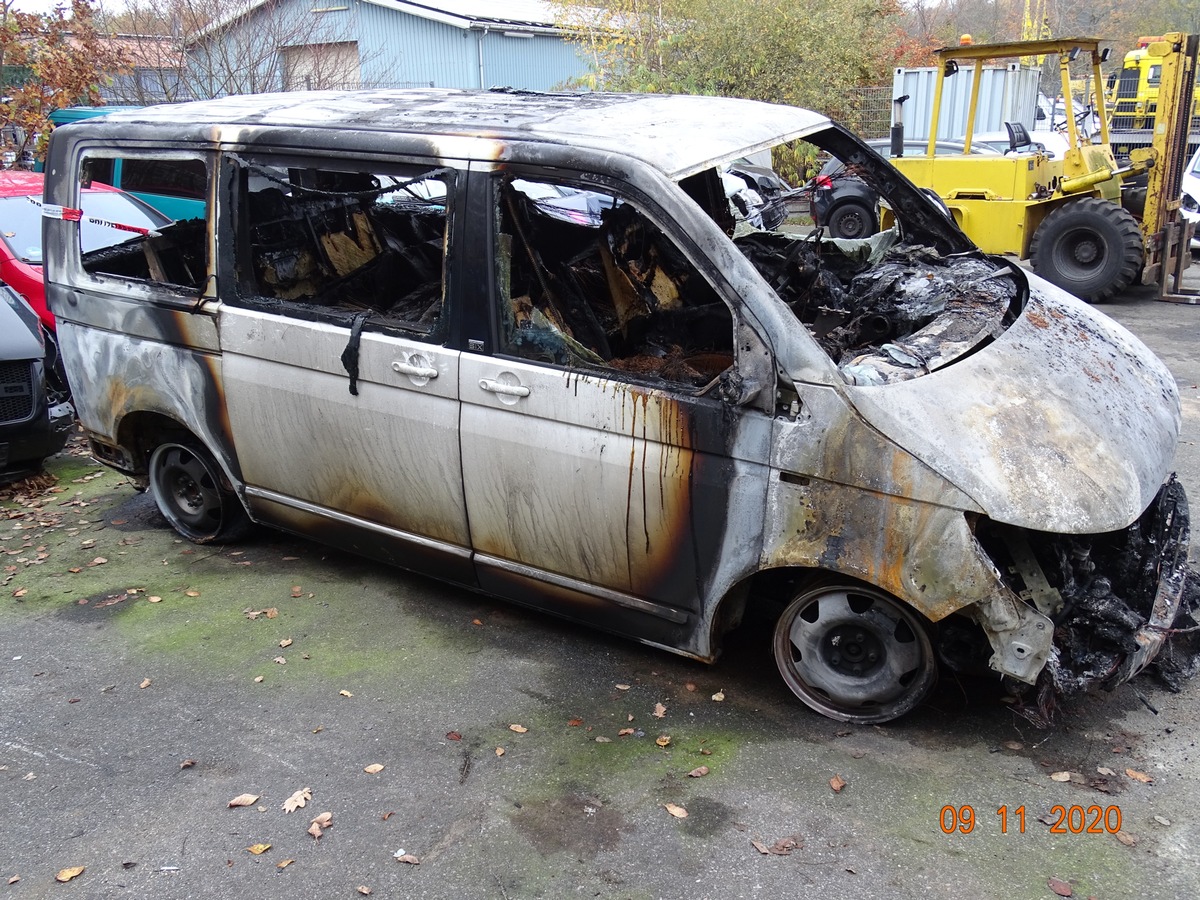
x,y
586,281
122,236
331,244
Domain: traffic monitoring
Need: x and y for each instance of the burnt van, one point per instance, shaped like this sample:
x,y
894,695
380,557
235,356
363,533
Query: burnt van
x,y
525,343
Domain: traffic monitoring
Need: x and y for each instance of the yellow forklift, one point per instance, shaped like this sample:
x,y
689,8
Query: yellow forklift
x,y
1082,219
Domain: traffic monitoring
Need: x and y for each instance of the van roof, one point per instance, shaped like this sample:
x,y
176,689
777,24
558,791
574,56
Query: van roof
x,y
679,135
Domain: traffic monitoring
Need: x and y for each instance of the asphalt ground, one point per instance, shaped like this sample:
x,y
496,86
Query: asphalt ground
x,y
145,683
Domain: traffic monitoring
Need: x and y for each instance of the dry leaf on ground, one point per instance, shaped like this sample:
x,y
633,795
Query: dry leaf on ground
x,y
297,800
698,772
677,811
1059,887
324,820
574,723
453,736
603,740
837,782
719,696
407,858
760,847
659,711
286,642
284,863
345,693
1140,776
244,800
519,729
65,875
663,740
622,687
258,849
1060,776
373,768
145,683
187,764
624,732
364,890
499,751
1125,838
315,830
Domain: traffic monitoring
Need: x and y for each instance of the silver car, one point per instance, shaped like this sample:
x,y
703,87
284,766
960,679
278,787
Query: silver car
x,y
650,418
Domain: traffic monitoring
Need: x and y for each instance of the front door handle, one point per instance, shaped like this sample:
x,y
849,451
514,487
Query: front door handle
x,y
499,387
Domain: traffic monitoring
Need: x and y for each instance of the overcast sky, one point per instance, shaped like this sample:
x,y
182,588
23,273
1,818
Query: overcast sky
x,y
44,6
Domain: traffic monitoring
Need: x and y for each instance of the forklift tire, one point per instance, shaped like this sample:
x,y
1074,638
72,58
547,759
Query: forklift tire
x,y
1090,247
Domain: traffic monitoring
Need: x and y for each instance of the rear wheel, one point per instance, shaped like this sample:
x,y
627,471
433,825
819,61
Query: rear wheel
x,y
1090,247
854,654
852,220
189,488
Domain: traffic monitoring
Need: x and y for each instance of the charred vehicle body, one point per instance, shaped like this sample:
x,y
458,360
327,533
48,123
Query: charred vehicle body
x,y
647,419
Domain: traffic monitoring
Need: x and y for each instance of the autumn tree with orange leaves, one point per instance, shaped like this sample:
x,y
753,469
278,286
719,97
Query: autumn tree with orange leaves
x,y
48,62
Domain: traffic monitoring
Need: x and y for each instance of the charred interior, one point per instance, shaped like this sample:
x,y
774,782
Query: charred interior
x,y
1100,590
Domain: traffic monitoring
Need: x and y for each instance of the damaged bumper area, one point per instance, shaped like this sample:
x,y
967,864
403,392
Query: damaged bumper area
x,y
1113,598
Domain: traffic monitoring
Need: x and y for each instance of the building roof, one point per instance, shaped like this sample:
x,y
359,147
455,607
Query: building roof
x,y
679,135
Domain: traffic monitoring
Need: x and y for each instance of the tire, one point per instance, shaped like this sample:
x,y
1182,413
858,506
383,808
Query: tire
x,y
852,220
1090,247
190,491
854,654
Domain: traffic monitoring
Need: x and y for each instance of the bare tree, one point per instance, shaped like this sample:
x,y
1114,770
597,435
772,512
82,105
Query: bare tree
x,y
241,46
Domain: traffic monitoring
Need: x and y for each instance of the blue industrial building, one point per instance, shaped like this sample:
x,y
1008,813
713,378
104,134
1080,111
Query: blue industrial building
x,y
318,44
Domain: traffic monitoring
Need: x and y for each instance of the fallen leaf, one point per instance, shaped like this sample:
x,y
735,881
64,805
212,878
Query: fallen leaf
x,y
244,800
760,847
318,729
286,642
519,729
704,751
785,846
1140,776
364,890
663,740
691,686
187,764
145,683
499,751
574,722
291,558
74,570
324,820
622,687
677,811
258,849
1105,770
284,863
1161,820
1125,838
282,660
258,679
65,875
155,599
98,561
1060,776
345,693
315,830
1014,745
20,592
191,593
659,711
409,859
837,782
476,622
1059,887
373,768
271,613
453,736
698,772
297,800
14,879
387,815
624,732
603,740
719,696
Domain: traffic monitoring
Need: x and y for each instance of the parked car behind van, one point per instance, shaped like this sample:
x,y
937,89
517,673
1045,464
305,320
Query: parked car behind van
x,y
910,453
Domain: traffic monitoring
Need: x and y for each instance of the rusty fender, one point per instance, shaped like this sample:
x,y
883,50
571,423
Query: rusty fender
x,y
877,514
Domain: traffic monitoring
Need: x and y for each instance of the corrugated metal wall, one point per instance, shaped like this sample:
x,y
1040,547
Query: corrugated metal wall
x,y
401,50
1006,94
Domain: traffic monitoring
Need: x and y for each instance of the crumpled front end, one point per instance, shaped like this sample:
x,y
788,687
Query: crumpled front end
x,y
1113,598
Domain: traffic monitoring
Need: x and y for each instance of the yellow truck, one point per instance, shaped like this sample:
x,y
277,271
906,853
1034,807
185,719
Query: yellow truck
x,y
1068,214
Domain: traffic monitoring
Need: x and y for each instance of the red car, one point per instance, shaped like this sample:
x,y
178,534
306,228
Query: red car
x,y
108,217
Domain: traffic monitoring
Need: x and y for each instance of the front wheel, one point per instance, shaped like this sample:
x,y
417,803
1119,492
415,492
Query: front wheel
x,y
854,654
1090,247
189,489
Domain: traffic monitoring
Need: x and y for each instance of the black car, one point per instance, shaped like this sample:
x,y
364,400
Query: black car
x,y
36,415
846,206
